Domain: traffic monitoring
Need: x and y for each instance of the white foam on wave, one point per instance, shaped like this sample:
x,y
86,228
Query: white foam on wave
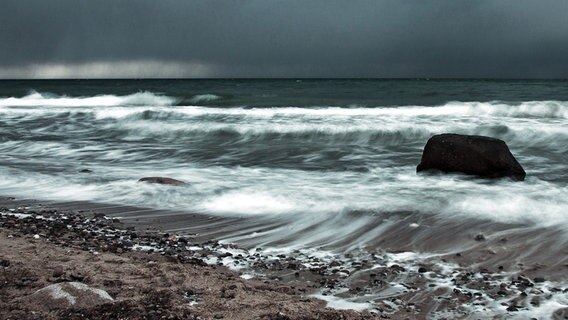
x,y
37,99
528,109
285,127
204,98
248,203
323,198
547,109
419,126
527,124
316,198
510,207
536,201
338,303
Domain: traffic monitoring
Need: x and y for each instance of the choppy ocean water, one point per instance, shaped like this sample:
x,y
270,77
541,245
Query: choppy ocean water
x,y
324,164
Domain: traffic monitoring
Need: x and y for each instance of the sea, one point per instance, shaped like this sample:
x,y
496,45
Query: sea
x,y
326,165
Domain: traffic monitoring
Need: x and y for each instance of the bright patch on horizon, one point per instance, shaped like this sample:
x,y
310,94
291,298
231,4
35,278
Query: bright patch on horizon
x,y
108,69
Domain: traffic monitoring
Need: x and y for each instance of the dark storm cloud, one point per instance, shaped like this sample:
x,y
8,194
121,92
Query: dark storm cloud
x,y
276,38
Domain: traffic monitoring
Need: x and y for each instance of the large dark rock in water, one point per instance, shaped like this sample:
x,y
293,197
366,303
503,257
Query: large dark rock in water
x,y
162,180
475,155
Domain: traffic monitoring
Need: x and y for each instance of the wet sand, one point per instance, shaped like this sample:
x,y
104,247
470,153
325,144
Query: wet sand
x,y
157,274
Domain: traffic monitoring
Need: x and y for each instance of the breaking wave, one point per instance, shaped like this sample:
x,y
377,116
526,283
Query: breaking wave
x,y
36,99
150,116
541,109
204,98
528,109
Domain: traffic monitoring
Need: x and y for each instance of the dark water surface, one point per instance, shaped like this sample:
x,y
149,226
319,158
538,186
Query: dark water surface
x,y
305,92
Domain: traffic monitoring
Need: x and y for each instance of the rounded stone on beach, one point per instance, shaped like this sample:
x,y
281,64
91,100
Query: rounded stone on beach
x,y
4,263
67,294
58,272
539,279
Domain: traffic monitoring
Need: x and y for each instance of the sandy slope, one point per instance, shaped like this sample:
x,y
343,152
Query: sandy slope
x,y
145,286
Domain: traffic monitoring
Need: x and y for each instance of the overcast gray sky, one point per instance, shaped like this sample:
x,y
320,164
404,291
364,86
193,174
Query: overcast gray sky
x,y
278,38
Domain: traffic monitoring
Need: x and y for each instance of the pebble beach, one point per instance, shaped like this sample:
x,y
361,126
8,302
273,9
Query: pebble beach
x,y
155,275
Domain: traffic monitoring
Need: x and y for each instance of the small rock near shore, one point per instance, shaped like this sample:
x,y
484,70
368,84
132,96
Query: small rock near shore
x,y
162,180
539,279
479,237
58,272
560,314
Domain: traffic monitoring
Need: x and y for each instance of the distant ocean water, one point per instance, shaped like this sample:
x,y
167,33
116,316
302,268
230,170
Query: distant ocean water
x,y
334,159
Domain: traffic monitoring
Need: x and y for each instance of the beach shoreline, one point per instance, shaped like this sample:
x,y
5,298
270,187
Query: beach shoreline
x,y
238,283
38,248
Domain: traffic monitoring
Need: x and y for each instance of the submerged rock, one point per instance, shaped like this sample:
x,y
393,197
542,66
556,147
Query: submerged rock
x,y
474,155
560,314
67,294
162,180
479,237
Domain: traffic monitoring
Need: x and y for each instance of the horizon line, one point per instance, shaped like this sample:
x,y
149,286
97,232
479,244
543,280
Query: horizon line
x,y
296,78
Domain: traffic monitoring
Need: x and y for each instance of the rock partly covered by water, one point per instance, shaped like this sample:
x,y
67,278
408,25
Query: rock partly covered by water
x,y
474,155
68,294
162,180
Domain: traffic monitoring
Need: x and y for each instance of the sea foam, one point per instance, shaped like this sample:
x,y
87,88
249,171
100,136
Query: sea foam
x,y
204,98
36,99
